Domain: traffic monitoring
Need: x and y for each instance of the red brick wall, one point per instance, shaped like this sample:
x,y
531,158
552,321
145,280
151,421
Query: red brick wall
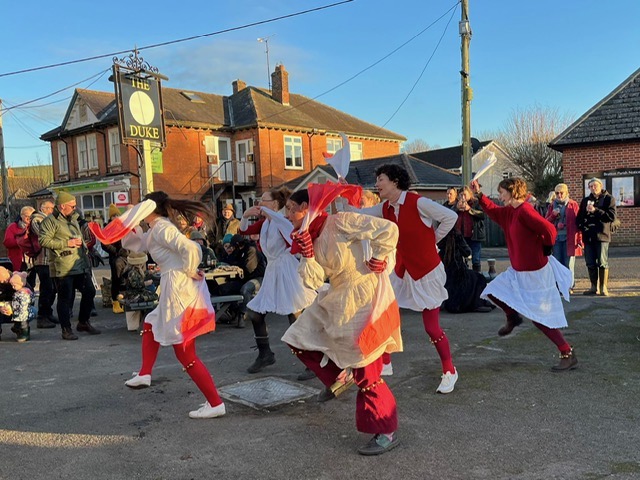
x,y
269,149
578,161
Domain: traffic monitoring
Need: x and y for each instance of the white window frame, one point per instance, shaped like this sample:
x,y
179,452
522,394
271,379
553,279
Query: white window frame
x,y
83,154
92,148
292,147
355,149
114,147
333,145
63,159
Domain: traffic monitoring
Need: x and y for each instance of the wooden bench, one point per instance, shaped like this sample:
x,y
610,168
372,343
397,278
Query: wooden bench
x,y
222,303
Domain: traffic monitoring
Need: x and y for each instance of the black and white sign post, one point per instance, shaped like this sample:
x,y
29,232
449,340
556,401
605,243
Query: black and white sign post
x,y
140,111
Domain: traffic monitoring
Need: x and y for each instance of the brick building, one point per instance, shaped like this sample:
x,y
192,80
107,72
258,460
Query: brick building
x,y
605,143
219,148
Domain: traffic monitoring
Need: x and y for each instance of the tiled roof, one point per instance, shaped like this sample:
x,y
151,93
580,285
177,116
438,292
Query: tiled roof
x,y
615,118
449,158
421,174
250,107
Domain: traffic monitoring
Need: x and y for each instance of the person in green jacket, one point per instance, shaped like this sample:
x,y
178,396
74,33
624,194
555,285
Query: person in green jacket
x,y
69,264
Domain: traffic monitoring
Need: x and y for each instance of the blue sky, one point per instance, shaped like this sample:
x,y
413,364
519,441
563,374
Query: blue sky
x,y
565,54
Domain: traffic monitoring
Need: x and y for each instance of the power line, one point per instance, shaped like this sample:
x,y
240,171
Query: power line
x,y
372,65
99,75
423,69
171,42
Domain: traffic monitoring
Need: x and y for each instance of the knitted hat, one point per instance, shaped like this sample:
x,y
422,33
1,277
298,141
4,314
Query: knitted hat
x,y
113,210
64,197
227,238
137,258
595,180
237,239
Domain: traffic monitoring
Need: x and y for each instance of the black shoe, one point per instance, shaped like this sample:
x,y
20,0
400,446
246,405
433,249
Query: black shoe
x,y
307,374
261,362
513,321
44,322
53,319
67,334
94,312
87,327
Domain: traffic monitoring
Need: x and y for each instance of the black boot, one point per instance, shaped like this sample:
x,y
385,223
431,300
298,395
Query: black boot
x,y
513,320
593,278
265,356
43,322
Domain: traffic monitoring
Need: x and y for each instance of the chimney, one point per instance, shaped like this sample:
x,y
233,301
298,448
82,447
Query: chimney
x,y
280,85
238,85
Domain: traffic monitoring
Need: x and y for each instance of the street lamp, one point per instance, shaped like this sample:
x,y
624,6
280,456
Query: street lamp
x,y
265,40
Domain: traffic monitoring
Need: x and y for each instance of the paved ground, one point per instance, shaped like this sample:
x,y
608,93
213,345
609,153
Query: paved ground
x,y
67,415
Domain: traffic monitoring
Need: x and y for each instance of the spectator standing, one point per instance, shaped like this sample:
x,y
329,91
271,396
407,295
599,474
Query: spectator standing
x,y
227,224
113,250
596,213
563,214
69,264
452,199
19,228
470,225
47,293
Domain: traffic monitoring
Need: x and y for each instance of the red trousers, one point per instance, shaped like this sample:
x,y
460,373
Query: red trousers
x,y
375,404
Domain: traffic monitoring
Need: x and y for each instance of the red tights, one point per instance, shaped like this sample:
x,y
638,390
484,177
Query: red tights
x,y
186,355
431,320
553,334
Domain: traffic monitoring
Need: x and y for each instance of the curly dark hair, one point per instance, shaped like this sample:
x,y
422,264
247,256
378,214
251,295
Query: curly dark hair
x,y
172,208
396,173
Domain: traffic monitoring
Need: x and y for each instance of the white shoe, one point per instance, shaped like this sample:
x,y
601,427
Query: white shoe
x,y
139,381
207,411
448,382
387,370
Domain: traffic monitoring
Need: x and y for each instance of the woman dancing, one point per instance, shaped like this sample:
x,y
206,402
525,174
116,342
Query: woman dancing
x,y
184,308
282,291
348,325
528,286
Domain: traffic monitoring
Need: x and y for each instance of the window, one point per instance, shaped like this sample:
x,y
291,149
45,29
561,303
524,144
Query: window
x,y
93,152
293,152
333,145
114,147
355,148
83,155
63,161
224,149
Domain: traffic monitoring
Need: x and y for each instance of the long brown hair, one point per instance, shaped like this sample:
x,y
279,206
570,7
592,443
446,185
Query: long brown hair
x,y
172,208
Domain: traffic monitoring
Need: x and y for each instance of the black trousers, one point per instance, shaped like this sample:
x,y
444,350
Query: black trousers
x,y
67,287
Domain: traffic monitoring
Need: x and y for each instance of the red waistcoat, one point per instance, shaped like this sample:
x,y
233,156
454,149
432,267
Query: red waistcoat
x,y
416,251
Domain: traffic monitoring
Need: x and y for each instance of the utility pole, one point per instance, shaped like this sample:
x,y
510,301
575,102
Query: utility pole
x,y
3,171
467,93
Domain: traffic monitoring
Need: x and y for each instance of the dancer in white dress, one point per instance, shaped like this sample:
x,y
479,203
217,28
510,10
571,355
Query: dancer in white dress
x,y
282,291
418,278
184,308
353,322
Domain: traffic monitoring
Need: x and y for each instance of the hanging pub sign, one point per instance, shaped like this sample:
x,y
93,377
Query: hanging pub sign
x,y
139,99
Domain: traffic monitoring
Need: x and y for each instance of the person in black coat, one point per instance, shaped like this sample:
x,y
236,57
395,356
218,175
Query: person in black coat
x,y
463,285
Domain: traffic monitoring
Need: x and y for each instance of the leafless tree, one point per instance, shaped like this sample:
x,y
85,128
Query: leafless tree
x,y
525,137
416,146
